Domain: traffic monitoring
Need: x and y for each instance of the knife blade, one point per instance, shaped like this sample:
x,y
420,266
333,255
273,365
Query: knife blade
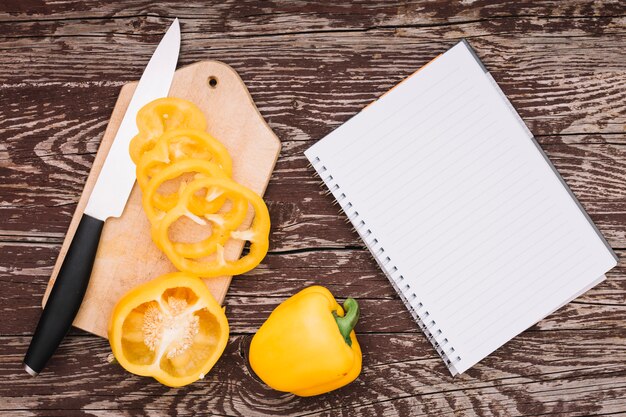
x,y
108,199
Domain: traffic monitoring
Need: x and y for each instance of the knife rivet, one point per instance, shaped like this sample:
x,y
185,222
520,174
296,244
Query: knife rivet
x,y
212,82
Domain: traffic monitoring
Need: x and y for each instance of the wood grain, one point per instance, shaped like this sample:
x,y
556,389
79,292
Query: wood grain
x,y
577,377
310,66
595,171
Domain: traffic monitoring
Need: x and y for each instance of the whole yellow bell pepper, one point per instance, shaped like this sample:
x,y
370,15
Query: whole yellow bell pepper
x,y
308,346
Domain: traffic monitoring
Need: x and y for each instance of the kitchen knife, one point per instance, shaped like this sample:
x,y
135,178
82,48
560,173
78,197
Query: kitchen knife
x,y
107,199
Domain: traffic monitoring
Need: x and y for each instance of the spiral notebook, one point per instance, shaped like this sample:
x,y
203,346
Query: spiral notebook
x,y
461,208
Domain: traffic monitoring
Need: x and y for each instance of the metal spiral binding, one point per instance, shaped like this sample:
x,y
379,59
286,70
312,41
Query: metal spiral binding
x,y
417,309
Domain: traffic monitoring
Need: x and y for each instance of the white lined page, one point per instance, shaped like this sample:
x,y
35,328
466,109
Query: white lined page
x,y
449,183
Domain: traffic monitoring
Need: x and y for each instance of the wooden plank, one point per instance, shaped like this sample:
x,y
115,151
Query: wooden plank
x,y
301,215
346,272
253,296
535,71
583,373
246,314
247,18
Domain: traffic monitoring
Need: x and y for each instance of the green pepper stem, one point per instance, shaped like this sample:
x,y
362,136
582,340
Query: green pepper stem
x,y
348,321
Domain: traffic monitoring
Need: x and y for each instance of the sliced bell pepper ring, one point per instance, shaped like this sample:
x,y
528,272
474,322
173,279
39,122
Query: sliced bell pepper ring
x,y
222,223
224,211
170,328
257,234
162,115
155,204
180,144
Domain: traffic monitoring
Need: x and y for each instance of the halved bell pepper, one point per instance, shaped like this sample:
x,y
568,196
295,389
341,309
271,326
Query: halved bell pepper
x,y
170,328
307,346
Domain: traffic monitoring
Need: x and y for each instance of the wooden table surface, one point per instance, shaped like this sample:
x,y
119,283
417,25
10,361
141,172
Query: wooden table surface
x,y
309,67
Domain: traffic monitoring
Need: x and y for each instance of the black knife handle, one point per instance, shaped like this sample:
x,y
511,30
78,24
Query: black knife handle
x,y
66,295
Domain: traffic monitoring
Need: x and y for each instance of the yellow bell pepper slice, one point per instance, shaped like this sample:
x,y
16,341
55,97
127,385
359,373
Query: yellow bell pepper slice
x,y
257,234
156,203
170,328
180,144
307,346
223,211
162,115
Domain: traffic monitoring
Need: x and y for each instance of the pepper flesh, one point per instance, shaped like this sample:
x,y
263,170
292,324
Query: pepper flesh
x,y
170,328
223,230
300,348
156,204
182,144
162,115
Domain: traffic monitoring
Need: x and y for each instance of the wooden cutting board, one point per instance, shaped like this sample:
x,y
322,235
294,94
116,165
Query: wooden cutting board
x,y
127,256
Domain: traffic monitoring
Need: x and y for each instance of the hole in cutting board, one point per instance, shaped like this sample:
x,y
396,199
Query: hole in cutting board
x,y
212,81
